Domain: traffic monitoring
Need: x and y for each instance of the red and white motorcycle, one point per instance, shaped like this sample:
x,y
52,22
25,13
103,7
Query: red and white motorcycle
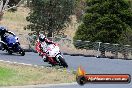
x,y
52,54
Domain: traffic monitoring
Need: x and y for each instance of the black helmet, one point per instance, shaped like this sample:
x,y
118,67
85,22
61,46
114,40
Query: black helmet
x,y
41,38
2,30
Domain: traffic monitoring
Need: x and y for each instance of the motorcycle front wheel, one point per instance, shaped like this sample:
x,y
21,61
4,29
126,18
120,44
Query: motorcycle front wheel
x,y
21,51
63,62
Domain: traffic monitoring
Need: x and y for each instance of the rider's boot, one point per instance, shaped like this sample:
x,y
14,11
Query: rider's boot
x,y
45,59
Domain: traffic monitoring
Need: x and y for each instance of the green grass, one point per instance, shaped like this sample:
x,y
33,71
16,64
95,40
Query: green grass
x,y
15,75
5,75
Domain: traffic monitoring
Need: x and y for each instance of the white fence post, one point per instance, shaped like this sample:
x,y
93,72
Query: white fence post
x,y
98,51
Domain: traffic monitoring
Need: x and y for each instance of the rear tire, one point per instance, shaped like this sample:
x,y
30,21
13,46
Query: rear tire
x,y
63,62
4,47
10,52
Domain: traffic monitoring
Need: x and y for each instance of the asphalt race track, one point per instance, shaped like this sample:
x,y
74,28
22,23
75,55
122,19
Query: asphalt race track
x,y
92,65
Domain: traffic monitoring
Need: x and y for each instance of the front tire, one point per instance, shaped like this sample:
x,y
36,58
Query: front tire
x,y
22,53
63,62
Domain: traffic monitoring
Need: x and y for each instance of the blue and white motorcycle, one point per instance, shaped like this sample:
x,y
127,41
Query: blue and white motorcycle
x,y
12,45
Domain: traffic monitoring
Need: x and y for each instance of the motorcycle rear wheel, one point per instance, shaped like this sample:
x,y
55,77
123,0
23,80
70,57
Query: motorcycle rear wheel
x,y
10,52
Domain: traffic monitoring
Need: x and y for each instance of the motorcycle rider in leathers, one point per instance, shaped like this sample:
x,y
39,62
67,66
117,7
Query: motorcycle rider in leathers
x,y
42,39
3,31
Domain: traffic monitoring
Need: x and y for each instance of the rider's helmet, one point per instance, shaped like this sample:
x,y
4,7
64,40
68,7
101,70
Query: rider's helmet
x,y
41,38
2,30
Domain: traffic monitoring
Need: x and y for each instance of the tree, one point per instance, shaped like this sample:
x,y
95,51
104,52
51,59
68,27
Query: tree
x,y
49,15
10,5
12,2
105,21
79,9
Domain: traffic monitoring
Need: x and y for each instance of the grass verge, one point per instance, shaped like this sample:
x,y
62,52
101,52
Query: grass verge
x,y
18,75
